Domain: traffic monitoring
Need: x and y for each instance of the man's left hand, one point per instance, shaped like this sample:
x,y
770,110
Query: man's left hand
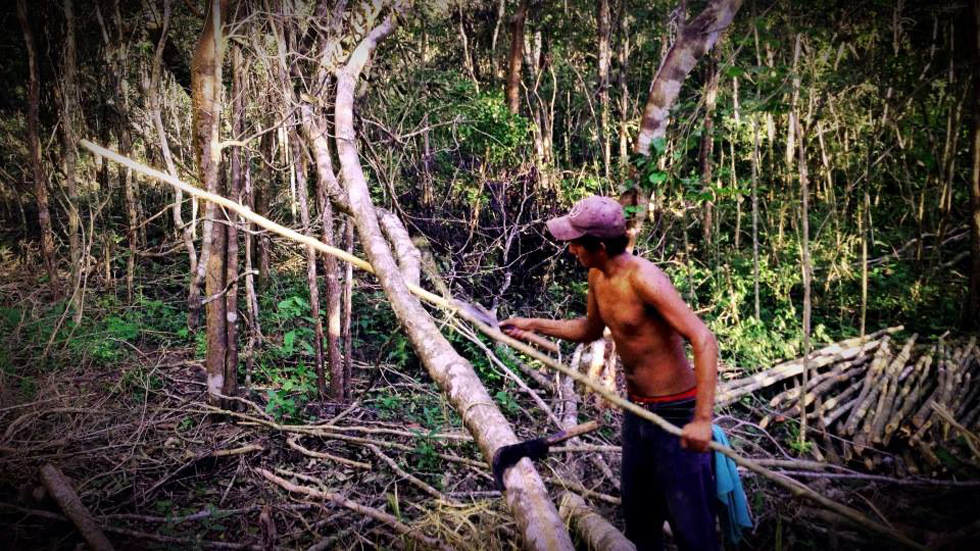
x,y
696,436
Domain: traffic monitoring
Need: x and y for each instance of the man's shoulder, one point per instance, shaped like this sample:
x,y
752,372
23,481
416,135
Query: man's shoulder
x,y
647,270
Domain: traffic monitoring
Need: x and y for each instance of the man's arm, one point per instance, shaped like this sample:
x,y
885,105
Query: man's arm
x,y
656,289
585,329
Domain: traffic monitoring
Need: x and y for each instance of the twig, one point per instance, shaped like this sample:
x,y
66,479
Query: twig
x,y
292,442
376,514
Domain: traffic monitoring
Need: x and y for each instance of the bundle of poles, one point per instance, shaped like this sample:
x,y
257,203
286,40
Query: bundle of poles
x,y
872,392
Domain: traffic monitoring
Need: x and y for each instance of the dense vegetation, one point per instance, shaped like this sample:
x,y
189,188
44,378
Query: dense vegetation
x,y
828,138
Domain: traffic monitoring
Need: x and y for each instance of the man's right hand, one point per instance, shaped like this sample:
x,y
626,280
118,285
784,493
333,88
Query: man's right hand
x,y
517,327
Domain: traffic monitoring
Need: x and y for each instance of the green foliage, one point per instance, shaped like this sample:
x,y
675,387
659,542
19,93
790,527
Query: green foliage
x,y
425,453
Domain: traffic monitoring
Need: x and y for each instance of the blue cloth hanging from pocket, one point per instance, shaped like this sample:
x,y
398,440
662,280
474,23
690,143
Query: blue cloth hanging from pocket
x,y
735,515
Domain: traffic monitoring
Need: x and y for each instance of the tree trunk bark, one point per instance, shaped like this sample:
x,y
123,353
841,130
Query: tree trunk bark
x,y
34,145
708,145
974,308
807,272
206,100
526,495
603,24
513,88
697,37
69,120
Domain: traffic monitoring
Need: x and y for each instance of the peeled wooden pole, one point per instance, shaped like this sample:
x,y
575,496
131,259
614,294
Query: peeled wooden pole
x,y
796,488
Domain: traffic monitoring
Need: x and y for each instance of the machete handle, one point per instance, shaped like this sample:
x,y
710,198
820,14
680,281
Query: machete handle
x,y
577,430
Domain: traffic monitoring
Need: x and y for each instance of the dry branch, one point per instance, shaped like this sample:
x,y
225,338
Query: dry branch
x,y
371,512
60,489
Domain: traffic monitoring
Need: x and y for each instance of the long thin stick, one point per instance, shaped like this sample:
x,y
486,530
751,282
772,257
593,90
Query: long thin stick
x,y
796,488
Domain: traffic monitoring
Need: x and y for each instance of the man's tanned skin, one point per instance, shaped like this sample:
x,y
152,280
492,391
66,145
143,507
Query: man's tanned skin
x,y
649,322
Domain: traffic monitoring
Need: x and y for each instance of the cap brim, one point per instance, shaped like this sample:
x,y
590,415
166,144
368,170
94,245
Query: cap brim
x,y
562,230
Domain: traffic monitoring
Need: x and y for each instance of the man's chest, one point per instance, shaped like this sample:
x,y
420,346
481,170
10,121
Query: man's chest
x,y
620,308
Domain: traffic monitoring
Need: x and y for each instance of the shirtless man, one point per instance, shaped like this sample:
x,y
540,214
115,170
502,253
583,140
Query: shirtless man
x,y
663,477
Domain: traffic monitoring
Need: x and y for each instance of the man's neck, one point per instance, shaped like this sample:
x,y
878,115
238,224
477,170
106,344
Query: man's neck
x,y
613,265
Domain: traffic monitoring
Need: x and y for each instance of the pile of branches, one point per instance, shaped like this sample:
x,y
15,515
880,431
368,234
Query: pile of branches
x,y
915,401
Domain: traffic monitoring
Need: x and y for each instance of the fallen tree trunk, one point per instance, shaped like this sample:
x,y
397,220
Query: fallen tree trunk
x,y
597,533
526,495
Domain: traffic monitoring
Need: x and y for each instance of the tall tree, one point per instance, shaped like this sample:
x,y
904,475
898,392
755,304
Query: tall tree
x,y
603,24
69,120
206,87
696,38
706,153
512,90
34,146
974,308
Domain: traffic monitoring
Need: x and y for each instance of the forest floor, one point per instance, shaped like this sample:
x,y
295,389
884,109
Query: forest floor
x,y
160,469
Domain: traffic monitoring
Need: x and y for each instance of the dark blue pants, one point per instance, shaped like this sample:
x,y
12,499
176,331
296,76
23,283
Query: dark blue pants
x,y
662,481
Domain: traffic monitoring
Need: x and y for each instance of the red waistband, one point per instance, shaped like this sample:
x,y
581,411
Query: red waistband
x,y
686,395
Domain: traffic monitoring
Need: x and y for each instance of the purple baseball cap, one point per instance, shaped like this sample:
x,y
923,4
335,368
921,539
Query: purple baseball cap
x,y
596,216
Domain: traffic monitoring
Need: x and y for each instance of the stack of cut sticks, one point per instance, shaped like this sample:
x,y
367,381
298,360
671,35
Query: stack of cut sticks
x,y
870,391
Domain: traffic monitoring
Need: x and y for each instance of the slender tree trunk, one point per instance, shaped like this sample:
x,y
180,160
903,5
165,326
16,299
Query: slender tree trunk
x,y
69,121
755,214
34,145
973,312
302,186
605,57
206,99
156,113
120,62
807,273
513,88
707,145
251,297
264,242
231,229
347,307
862,220
536,516
624,96
697,37
494,62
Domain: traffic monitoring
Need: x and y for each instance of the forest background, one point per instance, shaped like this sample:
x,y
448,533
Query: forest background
x,y
817,181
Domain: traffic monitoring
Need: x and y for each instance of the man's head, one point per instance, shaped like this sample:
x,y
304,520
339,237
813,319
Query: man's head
x,y
595,230
600,217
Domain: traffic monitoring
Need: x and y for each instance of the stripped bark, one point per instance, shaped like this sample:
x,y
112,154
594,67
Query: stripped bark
x,y
526,495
